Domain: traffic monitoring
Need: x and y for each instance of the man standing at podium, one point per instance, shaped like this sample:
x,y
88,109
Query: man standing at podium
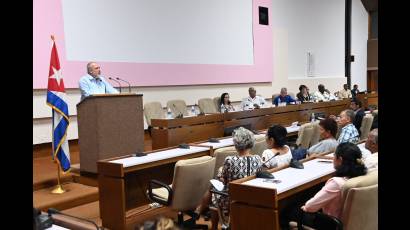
x,y
94,83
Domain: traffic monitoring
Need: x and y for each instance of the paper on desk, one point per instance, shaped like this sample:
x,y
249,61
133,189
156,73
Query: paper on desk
x,y
217,184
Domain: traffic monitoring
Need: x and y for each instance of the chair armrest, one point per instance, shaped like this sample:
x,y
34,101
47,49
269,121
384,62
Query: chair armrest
x,y
222,193
157,199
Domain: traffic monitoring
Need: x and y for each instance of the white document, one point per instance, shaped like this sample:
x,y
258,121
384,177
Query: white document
x,y
217,184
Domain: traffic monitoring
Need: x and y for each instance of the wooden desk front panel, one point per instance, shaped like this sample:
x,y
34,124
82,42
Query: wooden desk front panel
x,y
162,138
246,217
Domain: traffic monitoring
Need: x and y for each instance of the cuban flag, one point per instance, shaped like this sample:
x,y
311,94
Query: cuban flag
x,y
56,100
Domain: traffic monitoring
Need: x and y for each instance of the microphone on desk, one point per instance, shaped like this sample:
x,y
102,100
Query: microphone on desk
x,y
52,211
129,85
41,221
112,79
264,163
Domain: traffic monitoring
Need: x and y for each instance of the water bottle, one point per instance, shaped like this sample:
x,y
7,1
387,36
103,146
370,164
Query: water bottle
x,y
279,101
169,113
223,110
193,112
312,118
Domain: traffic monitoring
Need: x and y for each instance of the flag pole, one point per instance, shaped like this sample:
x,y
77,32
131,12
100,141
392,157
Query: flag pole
x,y
58,189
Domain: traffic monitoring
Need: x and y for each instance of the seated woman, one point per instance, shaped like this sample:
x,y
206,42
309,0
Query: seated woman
x,y
328,131
303,95
278,153
235,167
348,164
225,104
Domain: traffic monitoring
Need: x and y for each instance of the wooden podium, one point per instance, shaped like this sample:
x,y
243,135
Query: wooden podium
x,y
109,125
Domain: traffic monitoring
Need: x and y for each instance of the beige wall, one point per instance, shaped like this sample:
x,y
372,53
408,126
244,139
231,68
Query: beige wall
x,y
191,94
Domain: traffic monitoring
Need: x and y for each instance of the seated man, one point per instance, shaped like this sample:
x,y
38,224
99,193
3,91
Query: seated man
x,y
345,92
356,106
355,90
283,97
370,152
94,83
253,101
348,132
322,94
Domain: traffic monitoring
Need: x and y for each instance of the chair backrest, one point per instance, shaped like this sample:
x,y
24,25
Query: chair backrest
x,y
260,145
360,205
376,111
191,181
316,133
217,101
153,110
292,95
305,135
220,155
207,105
366,126
177,107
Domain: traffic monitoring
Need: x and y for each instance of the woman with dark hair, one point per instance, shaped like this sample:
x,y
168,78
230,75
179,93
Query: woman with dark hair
x,y
303,94
225,104
328,131
278,153
348,164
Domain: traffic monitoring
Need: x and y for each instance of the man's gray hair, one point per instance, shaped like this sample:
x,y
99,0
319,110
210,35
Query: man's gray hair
x,y
284,89
89,67
374,136
350,114
243,139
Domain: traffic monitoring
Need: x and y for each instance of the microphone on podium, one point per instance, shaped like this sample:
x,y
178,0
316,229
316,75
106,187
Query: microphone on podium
x,y
129,85
112,79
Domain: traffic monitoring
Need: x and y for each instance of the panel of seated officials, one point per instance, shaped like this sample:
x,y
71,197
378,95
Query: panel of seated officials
x,y
167,132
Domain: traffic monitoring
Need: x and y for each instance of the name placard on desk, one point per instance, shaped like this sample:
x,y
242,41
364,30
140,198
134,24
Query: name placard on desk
x,y
290,178
157,156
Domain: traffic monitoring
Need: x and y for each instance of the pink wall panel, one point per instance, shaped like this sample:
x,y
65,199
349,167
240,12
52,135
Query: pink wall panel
x,y
48,19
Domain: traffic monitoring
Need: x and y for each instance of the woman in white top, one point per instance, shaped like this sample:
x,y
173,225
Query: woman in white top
x,y
278,153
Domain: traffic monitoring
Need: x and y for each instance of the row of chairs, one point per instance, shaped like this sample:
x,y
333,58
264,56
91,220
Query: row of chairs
x,y
154,110
309,133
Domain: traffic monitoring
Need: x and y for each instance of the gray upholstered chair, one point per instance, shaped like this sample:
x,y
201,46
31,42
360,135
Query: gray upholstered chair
x,y
177,107
207,105
360,202
274,96
260,145
153,110
305,135
366,126
220,155
181,195
217,101
292,95
316,133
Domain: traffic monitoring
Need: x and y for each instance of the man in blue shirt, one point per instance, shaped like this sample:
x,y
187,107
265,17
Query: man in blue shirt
x,y
348,132
94,83
283,97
